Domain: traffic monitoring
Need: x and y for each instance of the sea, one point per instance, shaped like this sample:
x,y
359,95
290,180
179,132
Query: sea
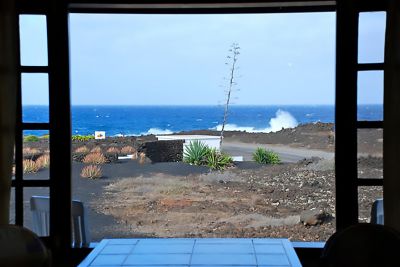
x,y
143,120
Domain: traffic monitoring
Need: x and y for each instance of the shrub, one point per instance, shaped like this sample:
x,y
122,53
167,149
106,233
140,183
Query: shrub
x,y
128,150
43,161
82,138
263,156
94,158
30,151
113,150
29,166
96,149
217,160
82,149
195,153
91,172
31,138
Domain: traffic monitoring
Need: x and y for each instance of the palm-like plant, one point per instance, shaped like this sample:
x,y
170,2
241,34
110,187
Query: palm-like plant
x,y
195,153
263,156
217,160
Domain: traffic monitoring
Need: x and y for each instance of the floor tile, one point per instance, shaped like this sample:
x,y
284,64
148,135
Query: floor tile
x,y
122,241
158,259
267,241
273,248
151,241
117,249
223,241
223,259
102,260
224,248
272,259
163,248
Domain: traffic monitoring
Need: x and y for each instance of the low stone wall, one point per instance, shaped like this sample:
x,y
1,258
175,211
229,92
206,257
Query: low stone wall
x,y
163,151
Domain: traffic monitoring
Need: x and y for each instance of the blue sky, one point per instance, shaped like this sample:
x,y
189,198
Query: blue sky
x,y
180,59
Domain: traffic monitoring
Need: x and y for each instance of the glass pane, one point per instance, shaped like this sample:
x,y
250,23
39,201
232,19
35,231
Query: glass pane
x,y
371,37
366,197
12,207
35,97
40,223
370,96
370,153
33,38
36,155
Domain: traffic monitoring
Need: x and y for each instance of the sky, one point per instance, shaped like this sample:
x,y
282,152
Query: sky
x,y
285,59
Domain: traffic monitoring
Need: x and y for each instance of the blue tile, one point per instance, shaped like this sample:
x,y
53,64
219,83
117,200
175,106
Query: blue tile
x,y
223,259
158,259
163,248
224,248
122,241
273,248
102,260
267,241
272,259
117,249
223,241
155,241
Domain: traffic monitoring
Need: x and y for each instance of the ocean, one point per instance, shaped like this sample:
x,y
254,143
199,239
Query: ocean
x,y
142,120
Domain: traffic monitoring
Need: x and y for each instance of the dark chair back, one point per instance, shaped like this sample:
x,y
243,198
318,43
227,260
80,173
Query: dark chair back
x,y
363,245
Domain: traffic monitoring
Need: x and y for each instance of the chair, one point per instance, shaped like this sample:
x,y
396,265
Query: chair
x,y
40,207
377,212
20,247
363,245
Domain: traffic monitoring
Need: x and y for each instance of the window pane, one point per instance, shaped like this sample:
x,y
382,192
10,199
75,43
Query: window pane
x,y
35,97
33,38
371,37
370,95
40,223
36,155
12,207
370,153
366,197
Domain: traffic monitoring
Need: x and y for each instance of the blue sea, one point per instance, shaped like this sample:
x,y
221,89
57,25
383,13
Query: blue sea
x,y
142,120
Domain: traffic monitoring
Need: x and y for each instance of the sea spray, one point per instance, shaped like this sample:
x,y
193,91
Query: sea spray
x,y
282,120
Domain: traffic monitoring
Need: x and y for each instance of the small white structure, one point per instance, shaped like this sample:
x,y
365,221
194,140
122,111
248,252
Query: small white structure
x,y
209,140
99,135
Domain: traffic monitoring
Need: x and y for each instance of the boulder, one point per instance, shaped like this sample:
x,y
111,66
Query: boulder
x,y
314,217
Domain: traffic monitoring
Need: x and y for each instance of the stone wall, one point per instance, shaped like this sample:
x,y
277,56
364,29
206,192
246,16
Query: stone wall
x,y
163,151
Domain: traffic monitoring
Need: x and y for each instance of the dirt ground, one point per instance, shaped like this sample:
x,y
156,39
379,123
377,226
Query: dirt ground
x,y
248,200
175,199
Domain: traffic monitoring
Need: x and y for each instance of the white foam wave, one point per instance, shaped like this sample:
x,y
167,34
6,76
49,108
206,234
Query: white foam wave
x,y
282,119
157,131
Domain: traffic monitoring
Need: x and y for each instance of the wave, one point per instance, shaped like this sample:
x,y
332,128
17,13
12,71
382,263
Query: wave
x,y
157,131
282,120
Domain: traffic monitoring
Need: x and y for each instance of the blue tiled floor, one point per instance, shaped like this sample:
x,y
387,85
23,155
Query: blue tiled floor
x,y
207,252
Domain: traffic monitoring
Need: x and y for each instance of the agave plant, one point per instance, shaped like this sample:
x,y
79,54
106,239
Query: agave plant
x,y
196,153
263,156
217,160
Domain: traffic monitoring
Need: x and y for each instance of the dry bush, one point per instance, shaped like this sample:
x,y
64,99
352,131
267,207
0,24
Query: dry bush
x,y
96,149
43,161
142,158
82,149
91,172
128,150
30,166
94,158
113,150
30,151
